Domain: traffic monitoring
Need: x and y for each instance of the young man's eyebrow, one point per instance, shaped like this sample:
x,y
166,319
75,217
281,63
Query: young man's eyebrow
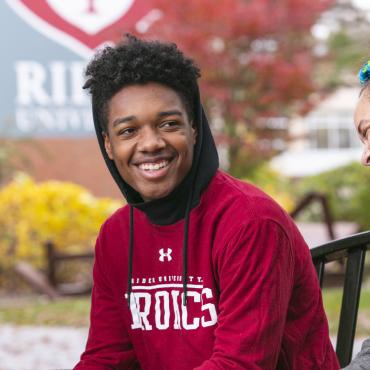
x,y
119,120
174,112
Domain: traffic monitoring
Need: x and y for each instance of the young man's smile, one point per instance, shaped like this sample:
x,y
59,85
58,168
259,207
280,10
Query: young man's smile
x,y
154,168
150,138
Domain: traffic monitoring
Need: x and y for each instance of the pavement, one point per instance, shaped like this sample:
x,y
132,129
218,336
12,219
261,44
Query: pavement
x,y
316,233
40,348
49,348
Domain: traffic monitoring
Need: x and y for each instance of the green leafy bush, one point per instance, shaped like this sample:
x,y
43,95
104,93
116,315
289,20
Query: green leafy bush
x,y
348,192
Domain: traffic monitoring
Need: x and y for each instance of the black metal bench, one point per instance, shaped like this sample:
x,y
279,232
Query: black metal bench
x,y
352,249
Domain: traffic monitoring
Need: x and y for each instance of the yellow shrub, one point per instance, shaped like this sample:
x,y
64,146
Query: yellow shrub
x,y
284,199
274,184
32,213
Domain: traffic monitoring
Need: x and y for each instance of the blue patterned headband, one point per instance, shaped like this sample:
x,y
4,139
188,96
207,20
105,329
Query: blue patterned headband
x,y
364,74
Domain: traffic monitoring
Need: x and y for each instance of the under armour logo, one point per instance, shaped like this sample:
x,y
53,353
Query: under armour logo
x,y
163,254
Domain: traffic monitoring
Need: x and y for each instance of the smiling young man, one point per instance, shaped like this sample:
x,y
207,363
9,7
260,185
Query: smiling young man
x,y
199,270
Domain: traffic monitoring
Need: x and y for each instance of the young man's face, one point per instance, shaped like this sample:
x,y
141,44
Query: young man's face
x,y
150,138
362,123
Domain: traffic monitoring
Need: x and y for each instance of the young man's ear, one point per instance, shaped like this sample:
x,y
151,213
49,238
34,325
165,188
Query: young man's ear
x,y
107,144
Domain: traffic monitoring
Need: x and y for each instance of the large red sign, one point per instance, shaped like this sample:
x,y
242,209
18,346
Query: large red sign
x,y
84,25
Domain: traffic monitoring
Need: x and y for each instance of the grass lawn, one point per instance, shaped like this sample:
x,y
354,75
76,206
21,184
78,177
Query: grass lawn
x,y
75,311
40,311
332,299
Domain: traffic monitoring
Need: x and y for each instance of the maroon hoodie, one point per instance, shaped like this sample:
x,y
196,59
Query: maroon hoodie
x,y
253,298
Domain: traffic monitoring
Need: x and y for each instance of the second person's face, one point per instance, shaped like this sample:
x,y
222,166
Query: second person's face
x,y
362,123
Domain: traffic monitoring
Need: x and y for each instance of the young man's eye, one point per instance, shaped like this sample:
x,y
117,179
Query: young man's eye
x,y
127,131
170,124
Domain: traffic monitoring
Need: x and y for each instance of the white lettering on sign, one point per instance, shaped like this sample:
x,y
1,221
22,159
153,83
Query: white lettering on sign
x,y
31,80
50,99
54,121
78,95
58,83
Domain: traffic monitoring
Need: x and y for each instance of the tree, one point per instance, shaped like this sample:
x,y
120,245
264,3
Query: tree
x,y
256,59
345,43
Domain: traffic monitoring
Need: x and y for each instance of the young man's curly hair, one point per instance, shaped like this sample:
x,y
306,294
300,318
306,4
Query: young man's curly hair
x,y
135,61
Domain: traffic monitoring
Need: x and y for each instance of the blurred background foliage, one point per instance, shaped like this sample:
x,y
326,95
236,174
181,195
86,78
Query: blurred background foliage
x,y
33,213
347,189
344,46
271,182
257,62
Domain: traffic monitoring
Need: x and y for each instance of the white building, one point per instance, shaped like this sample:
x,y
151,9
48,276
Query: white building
x,y
324,139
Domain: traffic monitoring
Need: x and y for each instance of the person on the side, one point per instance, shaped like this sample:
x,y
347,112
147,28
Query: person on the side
x,y
362,125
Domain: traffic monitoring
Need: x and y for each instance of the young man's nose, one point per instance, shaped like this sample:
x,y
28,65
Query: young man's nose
x,y
150,140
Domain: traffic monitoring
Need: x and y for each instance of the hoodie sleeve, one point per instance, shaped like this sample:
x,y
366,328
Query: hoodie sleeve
x,y
108,345
255,273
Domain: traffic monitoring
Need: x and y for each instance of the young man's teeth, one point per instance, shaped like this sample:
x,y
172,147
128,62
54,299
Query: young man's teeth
x,y
153,166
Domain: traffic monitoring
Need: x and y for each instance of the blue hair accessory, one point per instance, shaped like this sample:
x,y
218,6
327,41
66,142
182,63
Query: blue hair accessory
x,y
364,73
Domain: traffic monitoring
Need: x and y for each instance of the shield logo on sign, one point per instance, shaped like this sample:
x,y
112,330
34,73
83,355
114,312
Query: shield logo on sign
x,y
83,25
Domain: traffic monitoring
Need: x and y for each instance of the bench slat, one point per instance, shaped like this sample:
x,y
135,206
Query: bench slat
x,y
350,303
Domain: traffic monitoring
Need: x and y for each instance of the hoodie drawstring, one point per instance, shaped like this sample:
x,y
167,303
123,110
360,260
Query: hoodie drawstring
x,y
185,247
130,256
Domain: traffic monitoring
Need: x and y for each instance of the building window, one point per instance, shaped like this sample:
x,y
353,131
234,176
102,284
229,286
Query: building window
x,y
321,137
344,138
332,132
